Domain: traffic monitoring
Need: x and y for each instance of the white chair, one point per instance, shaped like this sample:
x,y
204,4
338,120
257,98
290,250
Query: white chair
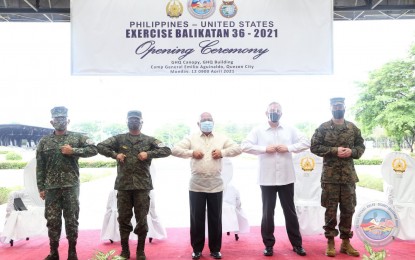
x,y
110,227
307,193
23,224
398,171
234,218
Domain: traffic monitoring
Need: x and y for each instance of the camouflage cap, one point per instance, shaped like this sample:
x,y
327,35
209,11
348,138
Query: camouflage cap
x,y
336,100
59,112
134,113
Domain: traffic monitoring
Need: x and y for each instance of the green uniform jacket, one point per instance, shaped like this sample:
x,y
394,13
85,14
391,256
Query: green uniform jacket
x,y
55,170
324,143
133,174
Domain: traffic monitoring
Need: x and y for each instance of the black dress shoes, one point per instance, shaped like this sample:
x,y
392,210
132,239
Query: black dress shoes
x,y
216,255
196,255
268,251
299,250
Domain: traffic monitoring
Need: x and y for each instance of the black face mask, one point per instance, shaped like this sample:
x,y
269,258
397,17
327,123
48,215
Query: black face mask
x,y
274,117
134,126
338,114
60,124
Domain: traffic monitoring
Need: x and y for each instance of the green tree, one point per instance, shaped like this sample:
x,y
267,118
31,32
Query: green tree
x,y
114,129
171,134
387,100
234,131
91,129
306,128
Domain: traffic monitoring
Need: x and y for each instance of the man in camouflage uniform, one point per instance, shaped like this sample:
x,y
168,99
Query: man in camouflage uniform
x,y
57,173
133,152
339,142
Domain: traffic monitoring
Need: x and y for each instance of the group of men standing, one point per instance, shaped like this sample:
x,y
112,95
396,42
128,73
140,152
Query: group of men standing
x,y
338,141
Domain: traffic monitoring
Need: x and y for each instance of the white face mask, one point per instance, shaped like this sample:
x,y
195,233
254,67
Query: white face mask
x,y
206,126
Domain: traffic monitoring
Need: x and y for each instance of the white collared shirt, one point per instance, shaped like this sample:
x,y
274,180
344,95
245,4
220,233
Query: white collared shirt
x,y
206,172
275,168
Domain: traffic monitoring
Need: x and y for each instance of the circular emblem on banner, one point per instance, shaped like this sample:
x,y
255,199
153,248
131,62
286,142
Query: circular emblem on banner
x,y
307,164
174,9
228,8
201,9
399,166
377,223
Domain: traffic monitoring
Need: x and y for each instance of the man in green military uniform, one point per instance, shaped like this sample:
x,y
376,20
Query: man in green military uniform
x,y
133,152
339,142
57,173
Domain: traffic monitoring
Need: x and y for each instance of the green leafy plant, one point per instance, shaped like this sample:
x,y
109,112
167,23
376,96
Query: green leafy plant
x,y
12,156
99,255
373,255
370,181
5,191
368,162
4,194
12,165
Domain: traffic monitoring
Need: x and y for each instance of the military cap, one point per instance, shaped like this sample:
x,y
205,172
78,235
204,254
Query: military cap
x,y
134,113
59,112
336,100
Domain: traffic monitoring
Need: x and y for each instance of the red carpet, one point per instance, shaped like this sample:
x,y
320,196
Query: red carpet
x,y
177,246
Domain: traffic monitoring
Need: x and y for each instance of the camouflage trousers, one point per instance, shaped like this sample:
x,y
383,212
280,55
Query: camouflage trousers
x,y
126,201
332,196
66,201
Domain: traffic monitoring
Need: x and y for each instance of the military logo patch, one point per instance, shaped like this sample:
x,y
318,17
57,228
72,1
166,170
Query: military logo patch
x,y
376,223
399,166
201,9
228,8
161,145
307,164
174,9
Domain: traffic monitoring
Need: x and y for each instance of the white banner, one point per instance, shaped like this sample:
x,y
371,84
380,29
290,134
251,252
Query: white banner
x,y
210,37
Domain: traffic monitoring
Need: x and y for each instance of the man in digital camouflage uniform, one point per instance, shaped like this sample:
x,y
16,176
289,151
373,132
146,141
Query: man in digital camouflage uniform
x,y
339,142
57,173
133,152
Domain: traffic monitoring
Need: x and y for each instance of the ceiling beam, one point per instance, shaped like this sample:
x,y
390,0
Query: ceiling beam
x,y
31,11
376,8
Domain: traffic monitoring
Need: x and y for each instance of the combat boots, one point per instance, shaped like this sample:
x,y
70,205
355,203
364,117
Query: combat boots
x,y
140,249
72,251
346,248
125,248
54,253
330,251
